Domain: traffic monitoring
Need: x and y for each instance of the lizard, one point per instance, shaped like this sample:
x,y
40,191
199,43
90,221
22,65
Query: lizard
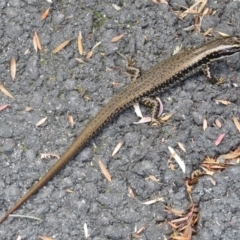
x,y
161,76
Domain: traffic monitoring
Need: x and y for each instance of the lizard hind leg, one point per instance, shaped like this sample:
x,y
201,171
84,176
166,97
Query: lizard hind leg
x,y
211,79
129,64
156,106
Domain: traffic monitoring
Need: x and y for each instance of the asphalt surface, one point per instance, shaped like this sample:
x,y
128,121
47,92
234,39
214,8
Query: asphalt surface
x,y
57,85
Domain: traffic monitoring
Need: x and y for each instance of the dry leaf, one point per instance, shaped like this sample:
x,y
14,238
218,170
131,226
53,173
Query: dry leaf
x,y
85,231
28,109
177,159
131,193
117,148
41,122
45,14
89,55
13,68
38,43
3,107
224,102
153,201
80,46
223,34
35,43
202,6
45,238
5,91
69,191
61,46
117,38
79,60
70,120
219,139
236,122
153,178
218,123
204,124
182,147
212,181
105,171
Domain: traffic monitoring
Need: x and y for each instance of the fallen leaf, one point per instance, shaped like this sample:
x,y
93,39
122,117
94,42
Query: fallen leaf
x,y
89,55
219,139
131,193
117,38
222,34
224,102
39,123
80,46
105,171
45,238
86,231
153,178
218,123
117,148
236,122
45,14
38,43
153,201
3,107
79,60
13,68
182,147
61,46
35,43
69,191
204,124
28,109
70,120
5,91
177,159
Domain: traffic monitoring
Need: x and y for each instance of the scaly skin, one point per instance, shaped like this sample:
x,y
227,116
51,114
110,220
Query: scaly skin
x,y
161,76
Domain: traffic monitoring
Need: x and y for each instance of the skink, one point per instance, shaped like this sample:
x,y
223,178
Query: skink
x,y
164,74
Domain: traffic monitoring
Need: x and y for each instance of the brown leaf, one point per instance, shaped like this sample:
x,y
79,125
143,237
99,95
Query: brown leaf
x,y
236,122
80,46
13,68
38,43
117,148
182,147
131,193
28,109
3,107
39,123
79,60
35,43
61,46
117,38
45,238
219,139
224,102
153,178
105,171
89,55
70,120
45,14
5,91
153,201
218,123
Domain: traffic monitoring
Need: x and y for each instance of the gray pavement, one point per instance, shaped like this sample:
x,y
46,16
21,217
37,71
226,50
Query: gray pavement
x,y
57,85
